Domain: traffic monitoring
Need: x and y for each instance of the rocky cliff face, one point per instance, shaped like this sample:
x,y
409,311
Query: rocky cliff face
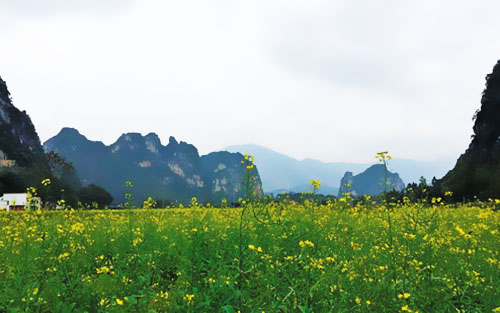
x,y
370,182
28,165
477,171
223,173
18,138
174,172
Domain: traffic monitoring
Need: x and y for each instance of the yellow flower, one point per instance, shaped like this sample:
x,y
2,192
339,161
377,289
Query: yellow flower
x,y
136,241
315,184
119,301
251,247
63,256
306,243
77,228
329,259
102,270
358,300
164,295
188,298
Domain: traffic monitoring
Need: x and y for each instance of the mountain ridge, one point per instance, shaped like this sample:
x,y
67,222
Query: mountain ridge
x,y
174,172
280,172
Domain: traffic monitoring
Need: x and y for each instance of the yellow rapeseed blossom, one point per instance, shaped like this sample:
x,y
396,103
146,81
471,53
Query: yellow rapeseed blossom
x,y
306,243
77,228
329,259
315,184
63,257
346,252
188,298
163,295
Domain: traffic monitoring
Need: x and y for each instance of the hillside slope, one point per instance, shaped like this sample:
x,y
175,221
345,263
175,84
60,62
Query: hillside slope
x,y
27,163
477,171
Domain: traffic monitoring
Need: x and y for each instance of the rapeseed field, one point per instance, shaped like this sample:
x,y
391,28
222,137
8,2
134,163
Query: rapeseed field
x,y
278,257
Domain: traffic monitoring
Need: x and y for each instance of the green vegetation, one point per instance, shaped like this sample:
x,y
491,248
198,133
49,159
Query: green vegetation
x,y
93,196
477,172
284,257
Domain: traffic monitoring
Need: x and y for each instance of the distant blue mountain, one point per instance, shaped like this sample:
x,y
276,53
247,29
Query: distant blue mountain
x,y
280,172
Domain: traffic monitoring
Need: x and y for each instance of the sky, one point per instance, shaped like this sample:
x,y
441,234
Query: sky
x,y
330,80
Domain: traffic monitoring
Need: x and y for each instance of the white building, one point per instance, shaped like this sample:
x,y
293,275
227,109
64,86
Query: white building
x,y
15,201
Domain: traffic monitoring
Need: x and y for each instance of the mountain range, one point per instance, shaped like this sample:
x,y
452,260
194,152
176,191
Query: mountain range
x,y
280,172
174,172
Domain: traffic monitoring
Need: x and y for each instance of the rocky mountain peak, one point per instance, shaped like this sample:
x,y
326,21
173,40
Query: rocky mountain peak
x,y
477,171
172,141
69,132
19,142
370,182
153,137
4,93
18,138
487,120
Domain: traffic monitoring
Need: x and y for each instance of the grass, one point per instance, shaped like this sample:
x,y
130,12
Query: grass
x,y
275,258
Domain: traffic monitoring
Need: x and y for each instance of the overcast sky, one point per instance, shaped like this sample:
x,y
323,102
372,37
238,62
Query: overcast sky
x,y
331,80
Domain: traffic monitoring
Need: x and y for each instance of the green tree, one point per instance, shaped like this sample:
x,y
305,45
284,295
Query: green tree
x,y
95,194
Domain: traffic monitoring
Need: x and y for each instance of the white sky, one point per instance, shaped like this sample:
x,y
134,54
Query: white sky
x,y
330,80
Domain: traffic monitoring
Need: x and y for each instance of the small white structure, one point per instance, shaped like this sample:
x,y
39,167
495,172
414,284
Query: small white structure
x,y
15,201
